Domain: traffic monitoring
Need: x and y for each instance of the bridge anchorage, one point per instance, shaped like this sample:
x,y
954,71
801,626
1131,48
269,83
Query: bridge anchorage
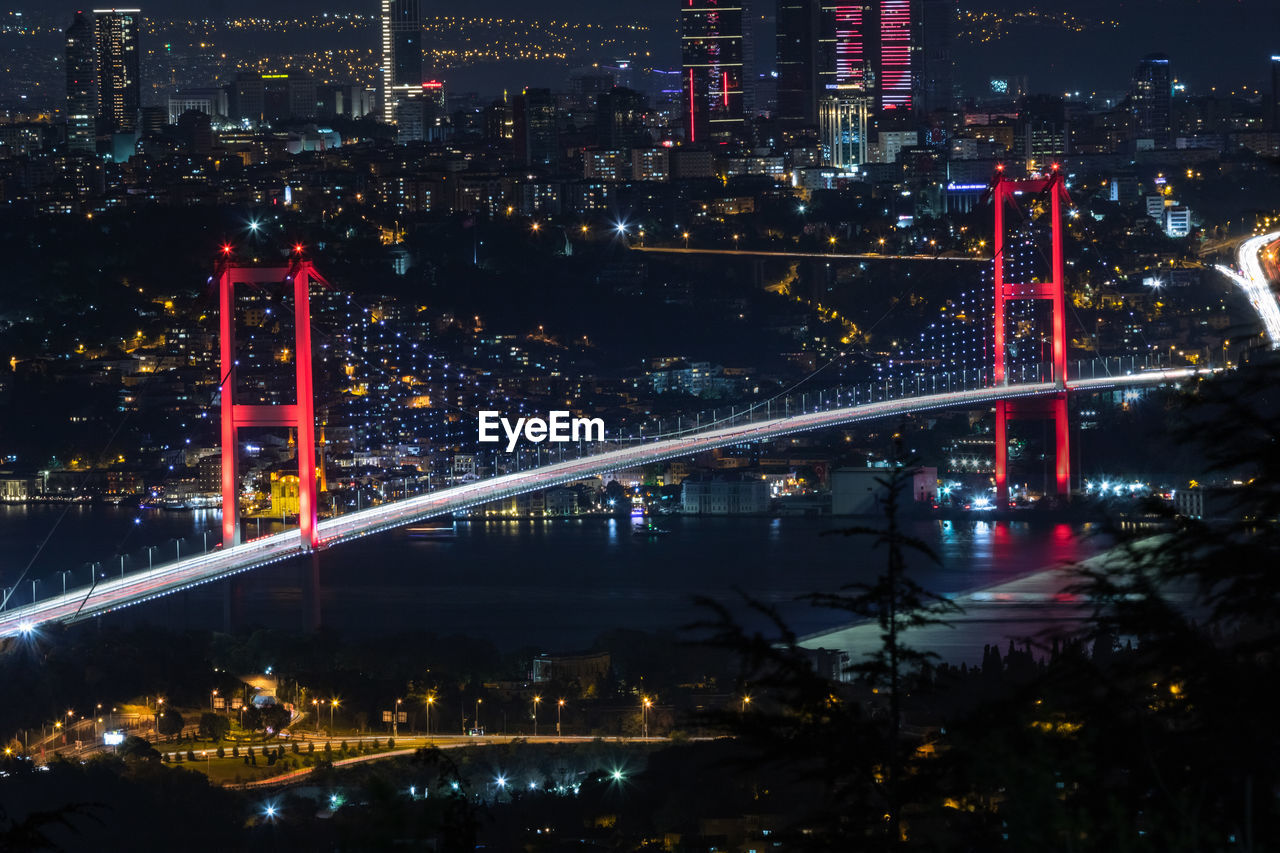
x,y
1005,194
300,273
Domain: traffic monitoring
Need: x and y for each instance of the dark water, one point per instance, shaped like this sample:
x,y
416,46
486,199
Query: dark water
x,y
552,583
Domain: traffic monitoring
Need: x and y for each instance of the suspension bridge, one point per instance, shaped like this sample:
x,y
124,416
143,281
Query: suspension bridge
x,y
1019,390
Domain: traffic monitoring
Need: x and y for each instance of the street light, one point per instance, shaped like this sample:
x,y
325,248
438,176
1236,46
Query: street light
x,y
395,720
333,703
476,721
212,700
559,708
644,714
746,700
315,709
536,700
430,701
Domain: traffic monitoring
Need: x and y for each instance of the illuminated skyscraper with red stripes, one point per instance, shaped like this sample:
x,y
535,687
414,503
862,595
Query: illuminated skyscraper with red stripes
x,y
844,46
895,65
711,60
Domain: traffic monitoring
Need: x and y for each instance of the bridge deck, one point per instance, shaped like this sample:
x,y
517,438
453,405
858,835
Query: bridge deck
x,y
142,586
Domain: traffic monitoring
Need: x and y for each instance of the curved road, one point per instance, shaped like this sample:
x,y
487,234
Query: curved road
x,y
108,595
1254,282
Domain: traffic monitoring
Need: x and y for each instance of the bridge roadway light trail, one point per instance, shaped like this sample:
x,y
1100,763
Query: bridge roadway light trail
x,y
1253,281
141,586
764,253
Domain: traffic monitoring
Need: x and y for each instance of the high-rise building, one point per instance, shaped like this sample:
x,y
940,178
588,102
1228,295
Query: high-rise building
x,y
499,122
119,80
842,126
401,73
845,48
247,97
1275,92
798,24
1043,130
895,78
434,92
82,85
935,67
537,138
620,117
1152,101
711,60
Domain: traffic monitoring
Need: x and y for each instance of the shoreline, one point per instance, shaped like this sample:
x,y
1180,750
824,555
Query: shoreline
x,y
1040,597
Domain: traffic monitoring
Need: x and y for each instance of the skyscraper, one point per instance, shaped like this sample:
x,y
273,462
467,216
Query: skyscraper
x,y
620,115
842,126
844,49
537,138
798,24
895,78
711,60
1152,101
82,88
119,80
401,78
934,73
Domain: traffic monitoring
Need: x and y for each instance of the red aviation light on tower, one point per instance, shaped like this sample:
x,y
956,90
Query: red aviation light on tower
x,y
225,248
297,248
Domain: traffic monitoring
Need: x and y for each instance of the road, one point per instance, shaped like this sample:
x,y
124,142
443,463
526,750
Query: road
x,y
839,256
111,594
412,745
1254,282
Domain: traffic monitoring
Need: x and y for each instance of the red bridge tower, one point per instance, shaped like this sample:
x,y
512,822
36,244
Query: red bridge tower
x,y
1051,188
300,415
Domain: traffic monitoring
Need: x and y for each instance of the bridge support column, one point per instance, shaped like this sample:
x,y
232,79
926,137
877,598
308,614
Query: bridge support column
x,y
1033,408
311,590
1002,454
1050,188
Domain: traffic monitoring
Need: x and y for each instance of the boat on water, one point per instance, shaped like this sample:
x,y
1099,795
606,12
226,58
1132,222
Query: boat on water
x,y
447,531
649,530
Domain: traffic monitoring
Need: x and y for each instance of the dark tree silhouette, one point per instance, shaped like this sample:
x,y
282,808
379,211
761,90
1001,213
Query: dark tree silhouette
x,y
841,737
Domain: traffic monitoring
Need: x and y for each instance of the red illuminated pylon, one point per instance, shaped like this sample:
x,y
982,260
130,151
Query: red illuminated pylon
x,y
1005,192
300,415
